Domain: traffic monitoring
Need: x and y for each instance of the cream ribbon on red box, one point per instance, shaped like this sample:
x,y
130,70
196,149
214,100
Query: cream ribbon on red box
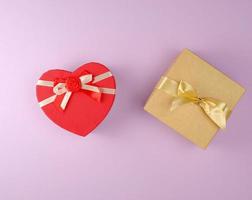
x,y
60,88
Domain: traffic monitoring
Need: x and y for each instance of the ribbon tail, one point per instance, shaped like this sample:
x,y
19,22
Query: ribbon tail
x,y
65,100
107,90
47,101
217,111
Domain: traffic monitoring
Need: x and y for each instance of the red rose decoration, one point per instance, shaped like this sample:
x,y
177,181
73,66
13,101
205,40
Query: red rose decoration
x,y
73,84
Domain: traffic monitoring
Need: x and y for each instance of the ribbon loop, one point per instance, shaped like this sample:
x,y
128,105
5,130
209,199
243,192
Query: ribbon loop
x,y
86,78
183,93
60,89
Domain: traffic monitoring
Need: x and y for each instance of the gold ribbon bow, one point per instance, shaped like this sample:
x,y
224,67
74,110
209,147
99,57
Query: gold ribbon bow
x,y
184,93
61,89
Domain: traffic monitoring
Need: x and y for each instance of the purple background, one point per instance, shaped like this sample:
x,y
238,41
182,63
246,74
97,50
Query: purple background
x,y
131,155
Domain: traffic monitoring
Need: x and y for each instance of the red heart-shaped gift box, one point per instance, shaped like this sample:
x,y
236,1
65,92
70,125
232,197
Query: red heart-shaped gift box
x,y
77,101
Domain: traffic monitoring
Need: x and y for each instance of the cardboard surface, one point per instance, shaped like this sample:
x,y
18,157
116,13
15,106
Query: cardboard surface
x,y
189,120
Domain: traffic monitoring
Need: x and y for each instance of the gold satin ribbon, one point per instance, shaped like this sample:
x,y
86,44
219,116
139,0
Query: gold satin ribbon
x,y
61,89
183,93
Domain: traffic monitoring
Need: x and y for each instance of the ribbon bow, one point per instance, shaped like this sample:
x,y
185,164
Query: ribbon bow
x,y
75,84
184,93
